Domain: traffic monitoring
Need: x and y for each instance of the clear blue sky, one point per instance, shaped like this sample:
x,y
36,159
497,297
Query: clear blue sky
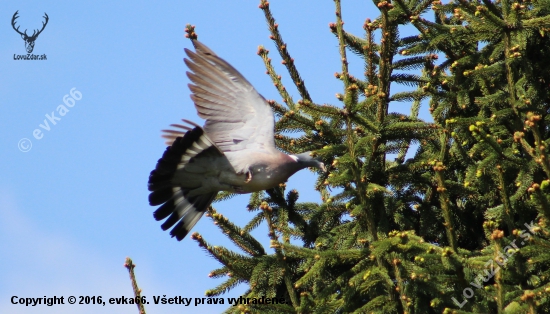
x,y
75,205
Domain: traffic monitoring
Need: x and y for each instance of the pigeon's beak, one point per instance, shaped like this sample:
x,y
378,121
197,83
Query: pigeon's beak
x,y
322,167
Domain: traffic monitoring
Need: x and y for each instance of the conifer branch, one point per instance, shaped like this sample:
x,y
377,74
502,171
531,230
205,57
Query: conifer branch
x,y
129,264
508,211
282,48
540,194
238,236
542,158
225,195
400,285
349,99
496,237
287,99
370,55
386,58
190,32
342,47
445,205
537,23
414,114
254,222
280,255
325,110
354,43
225,286
224,256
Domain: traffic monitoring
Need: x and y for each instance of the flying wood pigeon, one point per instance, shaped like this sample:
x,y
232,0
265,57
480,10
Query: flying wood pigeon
x,y
234,151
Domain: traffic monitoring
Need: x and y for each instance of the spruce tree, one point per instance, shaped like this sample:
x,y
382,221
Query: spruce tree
x,y
457,221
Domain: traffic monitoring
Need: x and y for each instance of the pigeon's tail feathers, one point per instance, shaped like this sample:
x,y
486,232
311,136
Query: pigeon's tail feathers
x,y
186,210
176,204
194,144
178,130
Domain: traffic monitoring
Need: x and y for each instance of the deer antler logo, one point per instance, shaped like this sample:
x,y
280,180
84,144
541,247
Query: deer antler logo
x,y
29,40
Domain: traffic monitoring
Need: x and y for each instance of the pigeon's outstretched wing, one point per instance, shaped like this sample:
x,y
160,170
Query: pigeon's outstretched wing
x,y
238,119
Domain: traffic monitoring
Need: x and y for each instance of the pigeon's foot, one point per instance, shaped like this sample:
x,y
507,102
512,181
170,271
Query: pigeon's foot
x,y
248,176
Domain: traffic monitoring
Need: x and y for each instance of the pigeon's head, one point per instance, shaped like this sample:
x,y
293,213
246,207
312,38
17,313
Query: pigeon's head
x,y
306,160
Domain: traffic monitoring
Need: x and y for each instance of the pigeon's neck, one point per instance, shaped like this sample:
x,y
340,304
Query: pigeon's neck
x,y
300,164
293,164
